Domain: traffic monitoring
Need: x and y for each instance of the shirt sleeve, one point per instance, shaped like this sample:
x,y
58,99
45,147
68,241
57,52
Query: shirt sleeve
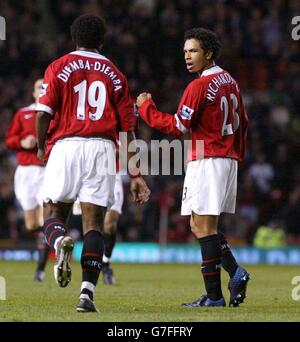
x,y
13,134
189,106
163,122
50,92
179,123
125,108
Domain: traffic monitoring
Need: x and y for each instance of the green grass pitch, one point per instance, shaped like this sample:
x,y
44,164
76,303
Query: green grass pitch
x,y
146,293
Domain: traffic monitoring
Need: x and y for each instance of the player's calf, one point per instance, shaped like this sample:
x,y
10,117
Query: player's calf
x,y
54,230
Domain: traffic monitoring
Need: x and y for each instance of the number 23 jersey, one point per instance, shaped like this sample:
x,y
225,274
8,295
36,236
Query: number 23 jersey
x,y
211,109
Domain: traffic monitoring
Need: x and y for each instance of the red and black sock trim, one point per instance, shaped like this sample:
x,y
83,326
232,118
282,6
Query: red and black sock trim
x,y
53,229
211,265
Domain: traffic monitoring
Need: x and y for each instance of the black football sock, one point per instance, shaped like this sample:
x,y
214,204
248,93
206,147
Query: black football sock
x,y
211,265
228,260
43,250
91,261
53,228
109,243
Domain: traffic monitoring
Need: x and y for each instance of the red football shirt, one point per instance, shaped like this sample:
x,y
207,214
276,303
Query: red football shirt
x,y
89,96
212,110
22,125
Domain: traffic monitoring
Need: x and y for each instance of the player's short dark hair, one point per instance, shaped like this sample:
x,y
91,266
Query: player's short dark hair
x,y
88,31
207,38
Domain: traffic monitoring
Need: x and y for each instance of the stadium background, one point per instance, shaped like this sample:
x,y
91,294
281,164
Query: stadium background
x,y
145,41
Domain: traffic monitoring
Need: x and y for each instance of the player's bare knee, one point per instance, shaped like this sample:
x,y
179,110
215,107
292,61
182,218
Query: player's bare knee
x,y
201,230
111,222
59,210
31,226
110,227
46,211
91,220
92,223
196,231
194,226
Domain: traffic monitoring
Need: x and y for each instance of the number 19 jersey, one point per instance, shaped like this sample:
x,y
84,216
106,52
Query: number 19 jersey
x,y
89,96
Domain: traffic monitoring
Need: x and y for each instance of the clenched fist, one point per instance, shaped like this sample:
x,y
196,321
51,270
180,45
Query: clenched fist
x,y
29,142
142,98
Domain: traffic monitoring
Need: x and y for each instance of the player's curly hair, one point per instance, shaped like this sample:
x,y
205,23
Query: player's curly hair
x,y
207,38
88,31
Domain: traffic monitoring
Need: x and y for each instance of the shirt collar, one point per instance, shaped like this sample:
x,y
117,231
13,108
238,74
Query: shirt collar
x,y
214,70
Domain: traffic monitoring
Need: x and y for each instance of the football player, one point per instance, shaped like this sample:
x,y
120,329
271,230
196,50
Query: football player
x,y
21,137
91,100
211,109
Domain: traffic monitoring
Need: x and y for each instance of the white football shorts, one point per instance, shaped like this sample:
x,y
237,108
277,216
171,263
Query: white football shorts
x,y
210,187
28,185
118,198
82,168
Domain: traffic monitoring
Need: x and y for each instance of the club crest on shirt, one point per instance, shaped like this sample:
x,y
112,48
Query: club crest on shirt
x,y
43,89
186,112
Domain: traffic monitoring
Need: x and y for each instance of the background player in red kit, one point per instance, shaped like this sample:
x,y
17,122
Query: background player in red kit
x,y
21,137
110,230
211,109
91,101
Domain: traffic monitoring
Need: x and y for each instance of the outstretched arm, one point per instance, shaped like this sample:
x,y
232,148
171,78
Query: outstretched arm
x,y
163,122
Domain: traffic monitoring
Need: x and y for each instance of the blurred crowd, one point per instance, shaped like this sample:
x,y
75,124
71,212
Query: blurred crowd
x,y
145,39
